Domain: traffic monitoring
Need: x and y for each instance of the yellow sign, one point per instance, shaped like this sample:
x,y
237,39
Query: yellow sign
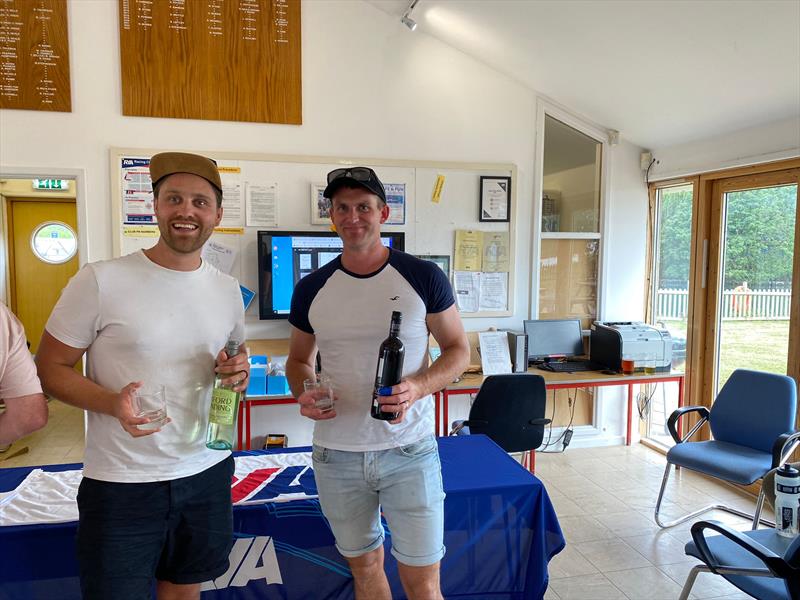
x,y
230,230
437,189
229,169
140,231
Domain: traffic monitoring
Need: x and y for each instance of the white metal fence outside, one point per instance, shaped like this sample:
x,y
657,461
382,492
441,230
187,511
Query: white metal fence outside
x,y
736,304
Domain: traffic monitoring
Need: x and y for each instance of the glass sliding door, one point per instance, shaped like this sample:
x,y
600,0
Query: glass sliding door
x,y
754,292
671,218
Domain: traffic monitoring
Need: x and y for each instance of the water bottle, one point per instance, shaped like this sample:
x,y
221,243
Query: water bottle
x,y
787,497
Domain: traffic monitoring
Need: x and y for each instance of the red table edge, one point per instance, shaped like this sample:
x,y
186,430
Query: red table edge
x,y
442,397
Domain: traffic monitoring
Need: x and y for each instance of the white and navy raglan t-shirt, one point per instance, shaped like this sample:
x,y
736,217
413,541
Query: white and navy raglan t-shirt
x,y
349,316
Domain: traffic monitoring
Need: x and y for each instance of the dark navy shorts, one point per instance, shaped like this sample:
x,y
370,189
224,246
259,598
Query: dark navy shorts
x,y
179,531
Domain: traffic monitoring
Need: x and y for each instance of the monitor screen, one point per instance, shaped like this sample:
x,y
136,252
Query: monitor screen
x,y
553,338
285,257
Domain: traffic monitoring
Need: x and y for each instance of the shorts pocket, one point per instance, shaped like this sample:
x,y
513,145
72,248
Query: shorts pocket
x,y
320,454
421,448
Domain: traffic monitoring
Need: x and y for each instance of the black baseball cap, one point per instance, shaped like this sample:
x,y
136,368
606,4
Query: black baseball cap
x,y
354,177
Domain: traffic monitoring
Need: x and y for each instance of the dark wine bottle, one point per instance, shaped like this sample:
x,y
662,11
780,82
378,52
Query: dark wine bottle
x,y
390,367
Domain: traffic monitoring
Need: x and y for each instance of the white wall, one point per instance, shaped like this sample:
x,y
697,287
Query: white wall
x,y
371,88
774,141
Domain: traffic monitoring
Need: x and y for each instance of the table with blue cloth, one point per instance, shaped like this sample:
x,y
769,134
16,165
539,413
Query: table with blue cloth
x,y
500,532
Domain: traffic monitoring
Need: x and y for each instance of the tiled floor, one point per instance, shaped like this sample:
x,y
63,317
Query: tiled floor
x,y
60,441
605,498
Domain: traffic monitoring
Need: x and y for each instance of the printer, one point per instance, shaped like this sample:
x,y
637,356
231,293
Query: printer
x,y
610,341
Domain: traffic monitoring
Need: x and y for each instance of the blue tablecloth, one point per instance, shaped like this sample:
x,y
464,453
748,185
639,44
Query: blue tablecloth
x,y
500,533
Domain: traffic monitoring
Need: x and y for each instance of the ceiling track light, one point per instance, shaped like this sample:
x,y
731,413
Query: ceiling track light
x,y
406,18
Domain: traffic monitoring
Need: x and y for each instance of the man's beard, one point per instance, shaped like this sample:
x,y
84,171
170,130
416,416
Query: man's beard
x,y
188,244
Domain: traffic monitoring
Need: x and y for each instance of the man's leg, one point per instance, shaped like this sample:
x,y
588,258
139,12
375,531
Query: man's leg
x,y
369,579
420,583
173,591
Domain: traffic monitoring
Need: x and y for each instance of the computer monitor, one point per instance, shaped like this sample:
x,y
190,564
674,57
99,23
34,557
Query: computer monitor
x,y
285,257
557,338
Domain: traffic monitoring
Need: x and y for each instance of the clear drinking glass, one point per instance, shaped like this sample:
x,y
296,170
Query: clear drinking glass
x,y
150,401
322,391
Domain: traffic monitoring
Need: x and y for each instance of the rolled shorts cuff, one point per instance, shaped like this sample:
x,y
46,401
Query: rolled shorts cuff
x,y
419,561
362,551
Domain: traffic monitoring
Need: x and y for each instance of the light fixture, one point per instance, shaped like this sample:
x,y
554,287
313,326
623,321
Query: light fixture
x,y
406,18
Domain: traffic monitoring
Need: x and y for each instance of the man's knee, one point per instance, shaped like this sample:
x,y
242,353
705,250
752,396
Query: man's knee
x,y
420,583
367,564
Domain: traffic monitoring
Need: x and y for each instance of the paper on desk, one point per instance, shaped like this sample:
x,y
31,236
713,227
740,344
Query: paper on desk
x,y
495,357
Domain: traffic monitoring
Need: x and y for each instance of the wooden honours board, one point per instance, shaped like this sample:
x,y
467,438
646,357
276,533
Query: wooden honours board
x,y
227,60
34,55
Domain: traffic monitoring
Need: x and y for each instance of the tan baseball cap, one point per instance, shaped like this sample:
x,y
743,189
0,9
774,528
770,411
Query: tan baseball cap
x,y
168,163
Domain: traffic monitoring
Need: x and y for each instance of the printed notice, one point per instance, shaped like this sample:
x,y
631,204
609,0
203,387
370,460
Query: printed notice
x,y
396,201
137,192
495,251
262,205
219,255
493,291
469,248
466,286
495,357
233,202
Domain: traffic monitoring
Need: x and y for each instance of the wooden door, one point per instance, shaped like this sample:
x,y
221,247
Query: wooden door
x,y
36,284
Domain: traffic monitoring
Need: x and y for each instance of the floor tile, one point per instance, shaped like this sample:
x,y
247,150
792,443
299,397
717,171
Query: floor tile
x,y
586,587
647,583
611,555
580,528
659,548
570,563
707,585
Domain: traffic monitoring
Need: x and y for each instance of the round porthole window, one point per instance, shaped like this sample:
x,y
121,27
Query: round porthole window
x,y
54,242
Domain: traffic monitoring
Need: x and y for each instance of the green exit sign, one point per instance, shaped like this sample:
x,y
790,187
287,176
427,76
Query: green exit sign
x,y
50,184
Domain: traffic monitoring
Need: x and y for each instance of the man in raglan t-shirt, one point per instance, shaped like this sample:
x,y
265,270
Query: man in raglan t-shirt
x,y
362,464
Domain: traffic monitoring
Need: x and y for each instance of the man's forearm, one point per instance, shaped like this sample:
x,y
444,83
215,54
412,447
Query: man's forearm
x,y
65,384
22,415
297,372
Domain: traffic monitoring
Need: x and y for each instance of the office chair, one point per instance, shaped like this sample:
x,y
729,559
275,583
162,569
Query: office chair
x,y
761,563
752,422
510,410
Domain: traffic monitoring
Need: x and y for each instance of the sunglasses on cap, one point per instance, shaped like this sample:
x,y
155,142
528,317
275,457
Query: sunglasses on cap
x,y
355,173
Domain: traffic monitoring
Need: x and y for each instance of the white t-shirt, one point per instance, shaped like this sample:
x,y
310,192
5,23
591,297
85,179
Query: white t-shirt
x,y
143,322
349,316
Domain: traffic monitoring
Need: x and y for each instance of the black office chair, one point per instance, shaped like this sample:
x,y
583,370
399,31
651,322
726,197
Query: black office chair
x,y
510,410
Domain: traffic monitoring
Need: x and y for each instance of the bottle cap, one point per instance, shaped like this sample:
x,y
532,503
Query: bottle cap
x,y
788,470
397,316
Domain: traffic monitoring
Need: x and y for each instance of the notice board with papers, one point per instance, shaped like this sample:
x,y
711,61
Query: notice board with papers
x,y
429,202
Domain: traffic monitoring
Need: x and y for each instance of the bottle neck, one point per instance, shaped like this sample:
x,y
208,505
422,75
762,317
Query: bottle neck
x,y
394,329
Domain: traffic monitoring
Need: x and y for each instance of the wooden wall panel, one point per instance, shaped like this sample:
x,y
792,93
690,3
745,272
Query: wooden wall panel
x,y
34,55
227,60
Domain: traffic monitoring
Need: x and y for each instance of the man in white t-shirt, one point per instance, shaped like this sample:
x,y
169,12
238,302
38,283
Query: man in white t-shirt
x,y
153,503
363,465
25,406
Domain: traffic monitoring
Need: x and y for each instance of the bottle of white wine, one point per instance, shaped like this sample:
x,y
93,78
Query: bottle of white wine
x,y
224,408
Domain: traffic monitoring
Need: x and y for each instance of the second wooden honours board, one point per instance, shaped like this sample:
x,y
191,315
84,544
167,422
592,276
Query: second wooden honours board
x,y
228,60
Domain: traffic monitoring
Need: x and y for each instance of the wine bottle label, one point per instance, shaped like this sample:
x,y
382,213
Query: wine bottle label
x,y
379,372
223,407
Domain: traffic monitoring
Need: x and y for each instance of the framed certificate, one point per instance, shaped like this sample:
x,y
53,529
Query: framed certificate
x,y
320,205
495,199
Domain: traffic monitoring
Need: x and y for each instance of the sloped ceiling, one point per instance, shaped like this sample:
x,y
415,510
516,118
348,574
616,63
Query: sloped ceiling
x,y
661,72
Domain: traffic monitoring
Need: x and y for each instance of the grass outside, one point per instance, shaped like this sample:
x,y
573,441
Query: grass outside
x,y
748,344
751,344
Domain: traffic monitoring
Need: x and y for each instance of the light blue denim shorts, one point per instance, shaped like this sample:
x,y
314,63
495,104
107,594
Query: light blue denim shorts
x,y
405,482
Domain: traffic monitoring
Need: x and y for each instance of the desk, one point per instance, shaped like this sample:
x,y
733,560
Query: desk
x,y
500,533
470,383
